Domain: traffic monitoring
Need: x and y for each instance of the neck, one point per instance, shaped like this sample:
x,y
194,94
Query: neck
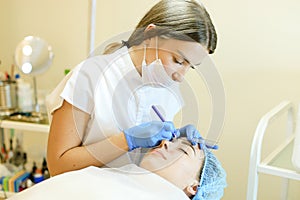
x,y
137,54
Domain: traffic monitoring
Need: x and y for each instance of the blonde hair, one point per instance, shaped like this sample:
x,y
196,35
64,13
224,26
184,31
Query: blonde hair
x,y
177,19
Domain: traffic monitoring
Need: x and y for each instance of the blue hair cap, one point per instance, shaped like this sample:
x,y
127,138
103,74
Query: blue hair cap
x,y
212,179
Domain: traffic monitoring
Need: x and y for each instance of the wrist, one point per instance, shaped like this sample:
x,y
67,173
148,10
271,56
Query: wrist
x,y
126,139
120,141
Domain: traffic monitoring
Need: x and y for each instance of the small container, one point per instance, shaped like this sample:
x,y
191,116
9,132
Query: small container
x,y
25,96
38,178
8,95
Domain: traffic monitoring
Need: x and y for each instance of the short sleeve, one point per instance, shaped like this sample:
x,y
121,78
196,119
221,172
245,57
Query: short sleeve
x,y
79,89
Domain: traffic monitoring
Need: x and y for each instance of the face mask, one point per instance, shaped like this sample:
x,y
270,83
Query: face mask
x,y
155,73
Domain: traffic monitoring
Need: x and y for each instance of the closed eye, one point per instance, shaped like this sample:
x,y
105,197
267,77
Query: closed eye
x,y
186,60
178,61
189,145
180,149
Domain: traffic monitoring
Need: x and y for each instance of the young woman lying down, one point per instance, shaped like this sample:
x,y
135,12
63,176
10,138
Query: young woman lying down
x,y
174,170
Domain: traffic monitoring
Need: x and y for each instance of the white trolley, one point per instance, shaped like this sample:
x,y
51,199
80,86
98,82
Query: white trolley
x,y
268,165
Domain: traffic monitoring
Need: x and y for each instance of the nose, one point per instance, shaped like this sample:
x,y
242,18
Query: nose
x,y
164,144
179,74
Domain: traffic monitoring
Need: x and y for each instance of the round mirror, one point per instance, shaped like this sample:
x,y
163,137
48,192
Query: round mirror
x,y
33,55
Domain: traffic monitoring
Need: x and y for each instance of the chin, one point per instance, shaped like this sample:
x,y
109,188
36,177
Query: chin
x,y
149,165
155,167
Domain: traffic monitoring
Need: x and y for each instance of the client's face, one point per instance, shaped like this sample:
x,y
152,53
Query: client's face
x,y
178,162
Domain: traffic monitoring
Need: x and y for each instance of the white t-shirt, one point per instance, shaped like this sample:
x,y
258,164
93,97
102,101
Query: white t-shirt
x,y
129,182
110,90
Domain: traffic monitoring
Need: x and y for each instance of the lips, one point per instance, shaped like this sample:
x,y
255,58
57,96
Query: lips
x,y
155,151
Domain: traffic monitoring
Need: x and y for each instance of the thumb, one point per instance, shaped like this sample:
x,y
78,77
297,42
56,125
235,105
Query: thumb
x,y
177,133
169,126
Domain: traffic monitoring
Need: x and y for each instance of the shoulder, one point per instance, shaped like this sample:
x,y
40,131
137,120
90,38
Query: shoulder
x,y
102,62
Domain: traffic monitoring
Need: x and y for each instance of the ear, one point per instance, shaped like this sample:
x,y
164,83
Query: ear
x,y
148,28
191,190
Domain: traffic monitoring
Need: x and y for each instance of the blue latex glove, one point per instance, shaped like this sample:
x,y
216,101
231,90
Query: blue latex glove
x,y
148,134
191,133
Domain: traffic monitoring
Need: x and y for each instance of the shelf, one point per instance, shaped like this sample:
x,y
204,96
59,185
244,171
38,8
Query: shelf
x,y
17,125
279,162
26,126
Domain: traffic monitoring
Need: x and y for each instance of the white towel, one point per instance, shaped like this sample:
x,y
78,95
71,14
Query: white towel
x,y
104,183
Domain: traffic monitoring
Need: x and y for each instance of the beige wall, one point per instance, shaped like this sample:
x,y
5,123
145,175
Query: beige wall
x,y
257,57
62,23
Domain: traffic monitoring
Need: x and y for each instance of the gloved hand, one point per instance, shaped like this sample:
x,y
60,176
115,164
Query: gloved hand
x,y
191,133
148,134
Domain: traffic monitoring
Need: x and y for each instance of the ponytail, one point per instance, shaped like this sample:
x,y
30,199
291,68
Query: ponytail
x,y
114,46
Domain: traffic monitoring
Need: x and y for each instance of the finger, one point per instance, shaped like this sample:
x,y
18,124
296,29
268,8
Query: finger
x,y
169,126
191,140
214,147
193,136
192,133
201,146
176,133
167,135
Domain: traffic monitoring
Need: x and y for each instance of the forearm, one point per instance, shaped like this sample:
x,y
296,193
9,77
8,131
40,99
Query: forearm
x,y
109,149
96,154
73,159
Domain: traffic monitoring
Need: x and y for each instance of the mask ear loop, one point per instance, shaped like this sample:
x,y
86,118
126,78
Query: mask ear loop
x,y
156,47
145,49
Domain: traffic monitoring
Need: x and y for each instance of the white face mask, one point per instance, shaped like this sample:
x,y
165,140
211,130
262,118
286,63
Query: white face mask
x,y
155,73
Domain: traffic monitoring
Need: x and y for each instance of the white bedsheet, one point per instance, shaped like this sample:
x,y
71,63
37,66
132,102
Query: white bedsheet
x,y
104,183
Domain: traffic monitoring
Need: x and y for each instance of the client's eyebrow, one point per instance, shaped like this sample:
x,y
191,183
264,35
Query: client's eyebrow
x,y
190,145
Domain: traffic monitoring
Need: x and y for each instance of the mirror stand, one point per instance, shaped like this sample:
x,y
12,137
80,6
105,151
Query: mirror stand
x,y
33,56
